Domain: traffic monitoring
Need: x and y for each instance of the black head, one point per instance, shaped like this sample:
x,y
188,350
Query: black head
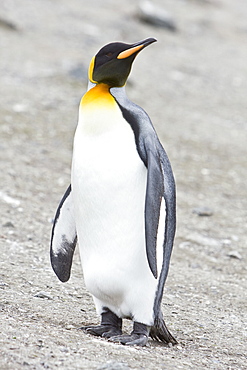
x,y
112,64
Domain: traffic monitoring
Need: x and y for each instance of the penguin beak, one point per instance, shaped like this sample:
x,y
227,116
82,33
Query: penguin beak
x,y
135,48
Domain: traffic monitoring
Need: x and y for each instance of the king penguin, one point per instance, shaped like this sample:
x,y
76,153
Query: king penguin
x,y
120,206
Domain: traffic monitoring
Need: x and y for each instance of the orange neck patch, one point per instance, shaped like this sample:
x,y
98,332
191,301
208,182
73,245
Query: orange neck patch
x,y
98,96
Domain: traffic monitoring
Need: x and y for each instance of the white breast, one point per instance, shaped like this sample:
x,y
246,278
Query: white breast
x,y
108,177
108,188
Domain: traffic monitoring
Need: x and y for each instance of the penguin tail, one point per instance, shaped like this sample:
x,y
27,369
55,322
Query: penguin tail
x,y
160,332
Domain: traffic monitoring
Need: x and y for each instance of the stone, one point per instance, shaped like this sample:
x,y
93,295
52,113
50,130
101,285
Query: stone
x,y
203,211
156,16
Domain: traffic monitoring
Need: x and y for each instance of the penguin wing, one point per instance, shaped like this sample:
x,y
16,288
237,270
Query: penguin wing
x,y
160,184
63,237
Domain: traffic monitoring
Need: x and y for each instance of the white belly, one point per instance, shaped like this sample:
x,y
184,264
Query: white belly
x,y
109,187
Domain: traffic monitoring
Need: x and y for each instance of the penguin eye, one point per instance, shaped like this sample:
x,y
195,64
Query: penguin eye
x,y
109,54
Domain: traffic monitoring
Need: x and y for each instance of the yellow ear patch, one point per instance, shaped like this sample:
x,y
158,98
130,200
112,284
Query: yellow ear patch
x,y
98,97
90,70
126,53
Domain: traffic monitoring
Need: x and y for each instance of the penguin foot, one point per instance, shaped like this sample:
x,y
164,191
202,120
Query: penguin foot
x,y
105,331
130,340
111,325
138,337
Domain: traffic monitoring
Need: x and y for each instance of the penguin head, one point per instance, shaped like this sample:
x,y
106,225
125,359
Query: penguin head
x,y
112,64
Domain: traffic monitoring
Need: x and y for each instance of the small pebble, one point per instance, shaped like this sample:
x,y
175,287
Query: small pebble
x,y
43,295
8,224
203,211
4,23
226,242
156,16
235,254
9,200
3,285
20,108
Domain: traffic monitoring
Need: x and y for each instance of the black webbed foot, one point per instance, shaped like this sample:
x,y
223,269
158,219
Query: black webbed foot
x,y
111,325
105,331
138,337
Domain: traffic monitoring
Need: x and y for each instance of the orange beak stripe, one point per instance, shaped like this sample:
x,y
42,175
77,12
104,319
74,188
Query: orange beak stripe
x,y
126,53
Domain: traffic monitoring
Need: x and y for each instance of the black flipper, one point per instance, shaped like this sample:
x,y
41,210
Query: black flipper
x,y
170,224
63,238
154,193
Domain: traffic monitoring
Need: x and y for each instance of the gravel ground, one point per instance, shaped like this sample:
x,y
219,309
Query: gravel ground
x,y
193,84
